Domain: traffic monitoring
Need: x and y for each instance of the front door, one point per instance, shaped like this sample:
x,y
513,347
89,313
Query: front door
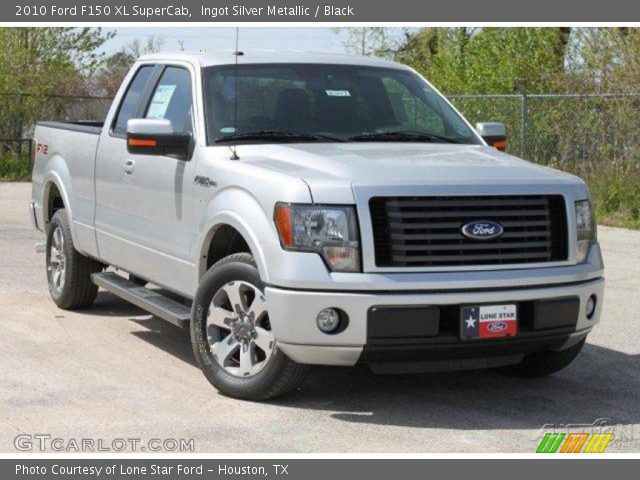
x,y
148,229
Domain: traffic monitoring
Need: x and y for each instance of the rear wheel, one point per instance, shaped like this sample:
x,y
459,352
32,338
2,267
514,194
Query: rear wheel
x,y
540,364
68,271
231,334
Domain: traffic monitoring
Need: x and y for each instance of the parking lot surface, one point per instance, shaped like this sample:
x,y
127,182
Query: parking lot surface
x,y
114,372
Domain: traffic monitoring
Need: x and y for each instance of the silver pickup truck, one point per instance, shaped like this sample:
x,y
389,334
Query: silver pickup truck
x,y
297,209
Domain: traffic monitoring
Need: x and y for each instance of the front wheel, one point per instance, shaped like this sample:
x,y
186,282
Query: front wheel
x,y
231,334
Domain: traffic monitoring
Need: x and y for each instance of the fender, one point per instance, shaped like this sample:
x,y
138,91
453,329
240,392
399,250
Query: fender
x,y
58,175
241,210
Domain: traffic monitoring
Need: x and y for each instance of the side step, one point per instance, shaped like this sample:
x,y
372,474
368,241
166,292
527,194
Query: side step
x,y
149,300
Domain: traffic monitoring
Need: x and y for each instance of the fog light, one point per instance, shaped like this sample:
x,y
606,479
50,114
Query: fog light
x,y
591,306
328,320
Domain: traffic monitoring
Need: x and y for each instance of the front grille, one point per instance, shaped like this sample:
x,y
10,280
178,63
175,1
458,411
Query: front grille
x,y
427,231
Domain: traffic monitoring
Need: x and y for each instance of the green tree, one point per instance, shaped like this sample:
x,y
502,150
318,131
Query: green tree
x,y
373,41
36,63
488,60
109,76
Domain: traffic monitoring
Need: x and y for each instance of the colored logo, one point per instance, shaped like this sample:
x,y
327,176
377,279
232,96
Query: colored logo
x,y
583,442
482,230
497,326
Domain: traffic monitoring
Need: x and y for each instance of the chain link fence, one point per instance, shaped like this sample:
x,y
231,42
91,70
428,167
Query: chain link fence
x,y
19,112
562,130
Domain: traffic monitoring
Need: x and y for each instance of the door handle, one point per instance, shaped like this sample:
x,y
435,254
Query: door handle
x,y
128,166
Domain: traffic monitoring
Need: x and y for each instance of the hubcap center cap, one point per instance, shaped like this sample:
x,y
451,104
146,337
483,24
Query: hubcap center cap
x,y
243,330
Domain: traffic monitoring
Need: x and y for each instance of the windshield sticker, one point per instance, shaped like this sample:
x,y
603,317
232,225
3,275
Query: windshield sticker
x,y
338,93
160,101
227,130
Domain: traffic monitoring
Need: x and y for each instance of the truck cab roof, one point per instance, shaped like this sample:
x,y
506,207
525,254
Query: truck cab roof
x,y
227,57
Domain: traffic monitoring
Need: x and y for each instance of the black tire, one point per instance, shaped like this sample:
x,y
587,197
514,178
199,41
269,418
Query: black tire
x,y
541,364
279,376
77,290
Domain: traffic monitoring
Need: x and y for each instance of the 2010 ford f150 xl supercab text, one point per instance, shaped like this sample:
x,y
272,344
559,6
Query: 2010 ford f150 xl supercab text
x,y
296,209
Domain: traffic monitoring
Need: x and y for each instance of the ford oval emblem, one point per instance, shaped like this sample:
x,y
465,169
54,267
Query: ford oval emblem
x,y
482,230
497,326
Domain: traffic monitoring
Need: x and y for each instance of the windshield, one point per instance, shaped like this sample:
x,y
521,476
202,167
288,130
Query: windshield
x,y
308,102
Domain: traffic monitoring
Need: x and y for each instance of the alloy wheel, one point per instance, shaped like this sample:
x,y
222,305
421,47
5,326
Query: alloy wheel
x,y
238,329
57,261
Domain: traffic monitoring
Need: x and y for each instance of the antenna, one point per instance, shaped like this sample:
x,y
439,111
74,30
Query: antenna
x,y
237,53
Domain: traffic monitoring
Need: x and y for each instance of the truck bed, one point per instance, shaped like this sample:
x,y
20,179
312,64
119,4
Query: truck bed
x,y
92,127
69,150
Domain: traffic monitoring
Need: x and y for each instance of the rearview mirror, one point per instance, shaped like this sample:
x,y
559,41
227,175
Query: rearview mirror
x,y
493,133
156,136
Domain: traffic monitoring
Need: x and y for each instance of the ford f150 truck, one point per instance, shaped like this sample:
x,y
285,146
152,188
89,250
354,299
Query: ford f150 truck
x,y
296,209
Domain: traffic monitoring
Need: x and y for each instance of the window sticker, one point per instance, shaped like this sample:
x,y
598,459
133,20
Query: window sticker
x,y
338,93
227,130
160,101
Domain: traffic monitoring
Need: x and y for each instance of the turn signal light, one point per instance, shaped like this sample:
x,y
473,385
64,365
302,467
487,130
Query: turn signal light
x,y
142,142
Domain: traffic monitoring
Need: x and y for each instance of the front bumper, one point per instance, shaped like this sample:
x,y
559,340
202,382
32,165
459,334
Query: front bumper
x,y
292,314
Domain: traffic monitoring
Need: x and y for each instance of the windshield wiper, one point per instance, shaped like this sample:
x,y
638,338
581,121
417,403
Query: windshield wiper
x,y
278,135
402,136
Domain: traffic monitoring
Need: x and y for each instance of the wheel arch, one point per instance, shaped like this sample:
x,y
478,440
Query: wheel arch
x,y
225,226
55,195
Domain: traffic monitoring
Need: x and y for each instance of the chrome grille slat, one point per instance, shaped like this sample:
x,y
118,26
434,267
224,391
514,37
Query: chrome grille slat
x,y
456,236
479,214
426,231
471,246
461,203
477,257
538,223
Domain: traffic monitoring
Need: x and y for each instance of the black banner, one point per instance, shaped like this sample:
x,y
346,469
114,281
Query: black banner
x,y
312,469
333,11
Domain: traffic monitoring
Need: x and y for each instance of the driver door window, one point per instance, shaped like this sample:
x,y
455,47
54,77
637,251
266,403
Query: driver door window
x,y
172,99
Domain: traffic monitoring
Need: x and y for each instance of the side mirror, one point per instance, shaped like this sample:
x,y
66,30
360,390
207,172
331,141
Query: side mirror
x,y
156,136
493,133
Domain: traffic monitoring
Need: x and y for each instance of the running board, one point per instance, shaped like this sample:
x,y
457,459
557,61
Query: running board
x,y
149,300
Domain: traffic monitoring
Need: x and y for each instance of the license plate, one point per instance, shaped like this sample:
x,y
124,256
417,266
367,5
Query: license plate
x,y
488,321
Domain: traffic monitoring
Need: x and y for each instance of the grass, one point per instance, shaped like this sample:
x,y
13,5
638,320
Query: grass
x,y
14,168
616,197
615,190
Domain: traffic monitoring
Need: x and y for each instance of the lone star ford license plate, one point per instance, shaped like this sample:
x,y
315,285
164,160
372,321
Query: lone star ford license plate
x,y
488,321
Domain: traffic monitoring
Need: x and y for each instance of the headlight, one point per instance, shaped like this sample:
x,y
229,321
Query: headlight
x,y
331,231
586,226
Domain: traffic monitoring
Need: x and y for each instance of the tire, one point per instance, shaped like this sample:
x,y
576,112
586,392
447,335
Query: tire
x,y
68,271
541,364
226,355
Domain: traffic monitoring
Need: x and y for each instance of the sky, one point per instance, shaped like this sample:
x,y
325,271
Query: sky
x,y
316,39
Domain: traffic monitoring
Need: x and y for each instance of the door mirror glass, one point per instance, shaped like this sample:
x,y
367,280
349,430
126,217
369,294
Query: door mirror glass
x,y
493,133
153,136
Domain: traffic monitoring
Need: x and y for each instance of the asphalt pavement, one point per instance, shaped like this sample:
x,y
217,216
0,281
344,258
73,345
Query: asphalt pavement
x,y
113,372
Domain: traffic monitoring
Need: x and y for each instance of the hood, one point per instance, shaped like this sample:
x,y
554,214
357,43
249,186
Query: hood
x,y
330,167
